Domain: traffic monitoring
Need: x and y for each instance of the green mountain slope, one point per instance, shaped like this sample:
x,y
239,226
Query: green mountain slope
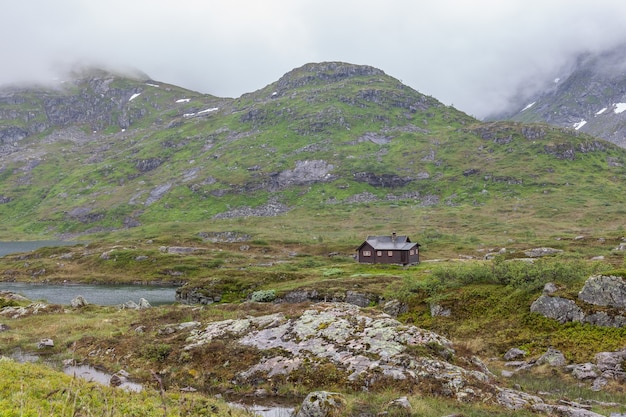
x,y
327,147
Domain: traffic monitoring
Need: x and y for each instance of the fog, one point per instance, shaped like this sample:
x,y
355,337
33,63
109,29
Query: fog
x,y
478,56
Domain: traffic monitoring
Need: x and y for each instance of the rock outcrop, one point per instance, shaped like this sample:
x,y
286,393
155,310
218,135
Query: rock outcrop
x,y
366,349
608,292
557,308
321,404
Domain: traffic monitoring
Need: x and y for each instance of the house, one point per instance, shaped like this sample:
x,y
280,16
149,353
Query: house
x,y
392,249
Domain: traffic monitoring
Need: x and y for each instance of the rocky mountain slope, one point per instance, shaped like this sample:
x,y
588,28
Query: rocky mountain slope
x,y
590,98
103,152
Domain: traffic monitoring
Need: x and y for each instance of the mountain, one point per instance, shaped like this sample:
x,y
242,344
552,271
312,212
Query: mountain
x,y
590,97
105,152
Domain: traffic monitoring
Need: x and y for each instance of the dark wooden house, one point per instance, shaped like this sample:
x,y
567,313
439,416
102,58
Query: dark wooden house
x,y
392,249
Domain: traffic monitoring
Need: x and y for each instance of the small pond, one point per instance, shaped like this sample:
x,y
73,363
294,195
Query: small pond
x,y
94,294
90,373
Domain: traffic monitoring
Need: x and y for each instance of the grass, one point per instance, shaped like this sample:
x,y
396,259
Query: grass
x,y
476,189
33,389
489,316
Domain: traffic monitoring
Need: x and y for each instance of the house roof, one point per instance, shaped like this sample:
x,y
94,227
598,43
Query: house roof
x,y
390,242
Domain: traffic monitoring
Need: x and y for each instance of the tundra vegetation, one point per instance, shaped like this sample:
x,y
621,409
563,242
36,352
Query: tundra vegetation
x,y
490,299
268,196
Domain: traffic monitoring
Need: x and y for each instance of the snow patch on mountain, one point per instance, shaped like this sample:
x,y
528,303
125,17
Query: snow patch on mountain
x,y
580,124
619,107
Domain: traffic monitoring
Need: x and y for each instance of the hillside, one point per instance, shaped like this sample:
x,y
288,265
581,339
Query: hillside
x,y
252,208
325,143
590,97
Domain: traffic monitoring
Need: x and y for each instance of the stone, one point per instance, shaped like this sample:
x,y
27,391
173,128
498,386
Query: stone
x,y
358,298
564,410
539,252
550,288
401,404
436,310
130,304
552,357
45,343
321,404
395,307
4,327
143,304
560,309
601,318
514,353
78,302
179,250
611,361
601,290
585,371
599,383
516,400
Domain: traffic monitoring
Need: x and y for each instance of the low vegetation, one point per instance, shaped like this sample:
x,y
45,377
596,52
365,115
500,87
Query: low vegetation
x,y
216,206
489,299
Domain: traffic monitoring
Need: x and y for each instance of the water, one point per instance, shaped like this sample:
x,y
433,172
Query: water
x,y
265,410
27,246
90,373
94,294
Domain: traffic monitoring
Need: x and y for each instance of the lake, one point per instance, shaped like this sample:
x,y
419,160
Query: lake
x,y
94,294
27,246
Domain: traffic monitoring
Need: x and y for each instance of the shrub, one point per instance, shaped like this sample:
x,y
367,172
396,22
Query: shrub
x,y
157,353
263,296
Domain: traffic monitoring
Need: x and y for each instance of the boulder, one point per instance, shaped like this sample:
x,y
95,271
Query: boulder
x,y
321,404
45,343
513,354
550,288
601,290
9,295
4,327
539,252
552,357
601,318
400,406
395,307
585,371
130,304
143,304
557,308
611,361
78,302
436,310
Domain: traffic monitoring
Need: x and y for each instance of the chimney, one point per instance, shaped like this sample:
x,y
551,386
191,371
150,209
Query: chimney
x,y
393,237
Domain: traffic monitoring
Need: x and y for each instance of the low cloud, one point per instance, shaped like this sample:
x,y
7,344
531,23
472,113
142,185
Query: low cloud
x,y
477,56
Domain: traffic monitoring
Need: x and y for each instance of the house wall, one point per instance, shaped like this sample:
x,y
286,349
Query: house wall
x,y
383,256
367,259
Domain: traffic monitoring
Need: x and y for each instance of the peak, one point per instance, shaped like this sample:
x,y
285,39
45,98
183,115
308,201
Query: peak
x,y
314,73
91,72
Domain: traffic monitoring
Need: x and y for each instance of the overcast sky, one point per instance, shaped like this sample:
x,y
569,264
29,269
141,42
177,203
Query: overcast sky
x,y
475,55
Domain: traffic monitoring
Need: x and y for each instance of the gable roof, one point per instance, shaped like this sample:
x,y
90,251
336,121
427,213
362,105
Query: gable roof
x,y
389,242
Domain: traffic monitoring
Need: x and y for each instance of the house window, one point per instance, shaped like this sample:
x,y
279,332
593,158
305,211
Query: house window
x,y
390,253
412,252
367,253
379,253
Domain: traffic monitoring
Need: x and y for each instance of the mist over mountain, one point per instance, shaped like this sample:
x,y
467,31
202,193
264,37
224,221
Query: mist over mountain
x,y
589,97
